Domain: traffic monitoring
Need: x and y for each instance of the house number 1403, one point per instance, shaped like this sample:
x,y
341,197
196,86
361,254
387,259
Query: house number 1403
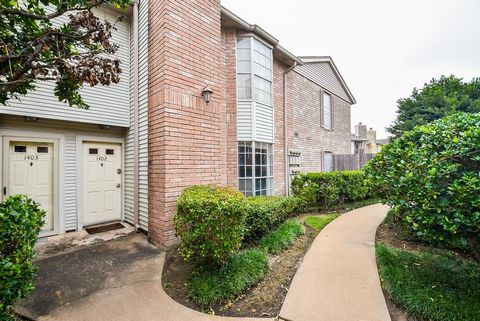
x,y
31,157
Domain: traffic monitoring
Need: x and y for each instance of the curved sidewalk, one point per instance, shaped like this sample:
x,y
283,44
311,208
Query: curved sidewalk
x,y
338,278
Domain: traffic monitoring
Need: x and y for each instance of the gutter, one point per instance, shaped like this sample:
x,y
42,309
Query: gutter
x,y
285,127
136,153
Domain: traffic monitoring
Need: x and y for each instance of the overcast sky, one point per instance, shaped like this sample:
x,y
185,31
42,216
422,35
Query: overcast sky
x,y
383,48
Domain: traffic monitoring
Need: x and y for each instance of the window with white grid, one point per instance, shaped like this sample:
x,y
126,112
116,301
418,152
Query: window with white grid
x,y
255,168
327,111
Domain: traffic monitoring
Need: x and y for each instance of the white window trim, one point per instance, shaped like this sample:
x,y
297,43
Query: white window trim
x,y
324,163
254,190
252,73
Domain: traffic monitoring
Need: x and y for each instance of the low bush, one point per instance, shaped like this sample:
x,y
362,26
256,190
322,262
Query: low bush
x,y
318,222
431,286
211,286
431,177
265,213
328,189
282,237
20,222
210,221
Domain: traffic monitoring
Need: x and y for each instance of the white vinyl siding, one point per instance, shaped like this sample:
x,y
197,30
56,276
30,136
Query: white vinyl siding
x,y
142,130
255,121
70,131
143,114
109,105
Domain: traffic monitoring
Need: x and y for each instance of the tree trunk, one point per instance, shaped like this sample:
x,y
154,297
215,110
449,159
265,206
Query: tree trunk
x,y
474,246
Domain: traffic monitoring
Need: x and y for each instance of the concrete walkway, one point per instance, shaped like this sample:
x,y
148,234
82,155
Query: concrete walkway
x,y
121,280
338,278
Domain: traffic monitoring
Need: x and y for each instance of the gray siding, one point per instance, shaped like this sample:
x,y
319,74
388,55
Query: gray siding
x,y
143,114
143,129
323,75
108,105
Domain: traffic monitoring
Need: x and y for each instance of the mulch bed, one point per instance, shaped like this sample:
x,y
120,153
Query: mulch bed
x,y
263,300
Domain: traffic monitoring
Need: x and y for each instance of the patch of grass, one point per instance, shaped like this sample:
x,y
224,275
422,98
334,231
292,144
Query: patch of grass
x,y
430,286
318,222
282,237
210,286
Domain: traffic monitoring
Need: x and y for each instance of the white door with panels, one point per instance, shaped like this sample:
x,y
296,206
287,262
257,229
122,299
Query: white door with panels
x,y
30,170
102,179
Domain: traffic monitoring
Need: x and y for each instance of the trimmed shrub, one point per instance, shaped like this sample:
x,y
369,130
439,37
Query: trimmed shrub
x,y
282,237
211,286
431,177
20,222
328,189
211,223
265,213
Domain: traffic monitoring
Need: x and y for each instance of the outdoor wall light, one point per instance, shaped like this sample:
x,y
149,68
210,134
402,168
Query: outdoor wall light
x,y
207,94
105,127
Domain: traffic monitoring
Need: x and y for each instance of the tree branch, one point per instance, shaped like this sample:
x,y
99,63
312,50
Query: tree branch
x,y
56,14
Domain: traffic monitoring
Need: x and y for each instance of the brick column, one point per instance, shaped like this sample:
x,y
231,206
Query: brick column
x,y
187,137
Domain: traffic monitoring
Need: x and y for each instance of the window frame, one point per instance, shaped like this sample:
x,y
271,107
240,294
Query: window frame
x,y
324,169
254,166
252,73
324,93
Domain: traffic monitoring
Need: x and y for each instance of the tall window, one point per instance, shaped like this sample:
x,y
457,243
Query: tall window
x,y
255,168
327,111
254,71
328,162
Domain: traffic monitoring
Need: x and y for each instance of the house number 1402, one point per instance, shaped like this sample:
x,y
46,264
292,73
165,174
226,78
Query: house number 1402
x,y
101,158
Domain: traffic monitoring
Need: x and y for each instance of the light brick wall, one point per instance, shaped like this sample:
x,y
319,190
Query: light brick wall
x,y
187,137
305,113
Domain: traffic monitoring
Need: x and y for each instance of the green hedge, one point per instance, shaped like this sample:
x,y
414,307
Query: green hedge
x,y
327,189
20,222
211,223
265,213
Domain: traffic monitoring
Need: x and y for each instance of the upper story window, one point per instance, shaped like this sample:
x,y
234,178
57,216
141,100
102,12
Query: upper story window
x,y
327,111
254,70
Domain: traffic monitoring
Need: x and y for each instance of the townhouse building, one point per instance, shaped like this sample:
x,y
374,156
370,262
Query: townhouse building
x,y
205,98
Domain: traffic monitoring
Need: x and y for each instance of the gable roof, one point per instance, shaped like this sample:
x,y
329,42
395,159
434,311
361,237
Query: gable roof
x,y
229,19
323,71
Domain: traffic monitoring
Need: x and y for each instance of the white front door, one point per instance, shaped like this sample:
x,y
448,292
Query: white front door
x,y
30,172
102,178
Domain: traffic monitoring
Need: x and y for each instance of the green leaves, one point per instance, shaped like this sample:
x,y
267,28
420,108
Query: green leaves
x,y
20,224
437,99
35,49
327,189
431,176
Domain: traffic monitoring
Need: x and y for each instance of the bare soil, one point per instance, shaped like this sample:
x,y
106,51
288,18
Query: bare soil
x,y
263,300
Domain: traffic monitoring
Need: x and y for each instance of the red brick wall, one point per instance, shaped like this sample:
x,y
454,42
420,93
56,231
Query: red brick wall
x,y
187,137
229,42
305,113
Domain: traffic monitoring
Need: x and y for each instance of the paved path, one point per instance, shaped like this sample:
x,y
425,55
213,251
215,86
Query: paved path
x,y
338,278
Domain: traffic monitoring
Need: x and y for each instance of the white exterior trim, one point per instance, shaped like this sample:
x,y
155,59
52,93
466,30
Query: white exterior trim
x,y
79,145
58,141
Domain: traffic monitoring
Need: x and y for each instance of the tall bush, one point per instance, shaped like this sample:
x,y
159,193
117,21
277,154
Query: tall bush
x,y
20,222
327,189
210,222
431,176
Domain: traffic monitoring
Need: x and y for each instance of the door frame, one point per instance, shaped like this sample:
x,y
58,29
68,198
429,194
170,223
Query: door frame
x,y
104,140
7,136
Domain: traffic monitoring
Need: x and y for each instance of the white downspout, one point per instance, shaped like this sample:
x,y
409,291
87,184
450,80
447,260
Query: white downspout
x,y
285,131
136,153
